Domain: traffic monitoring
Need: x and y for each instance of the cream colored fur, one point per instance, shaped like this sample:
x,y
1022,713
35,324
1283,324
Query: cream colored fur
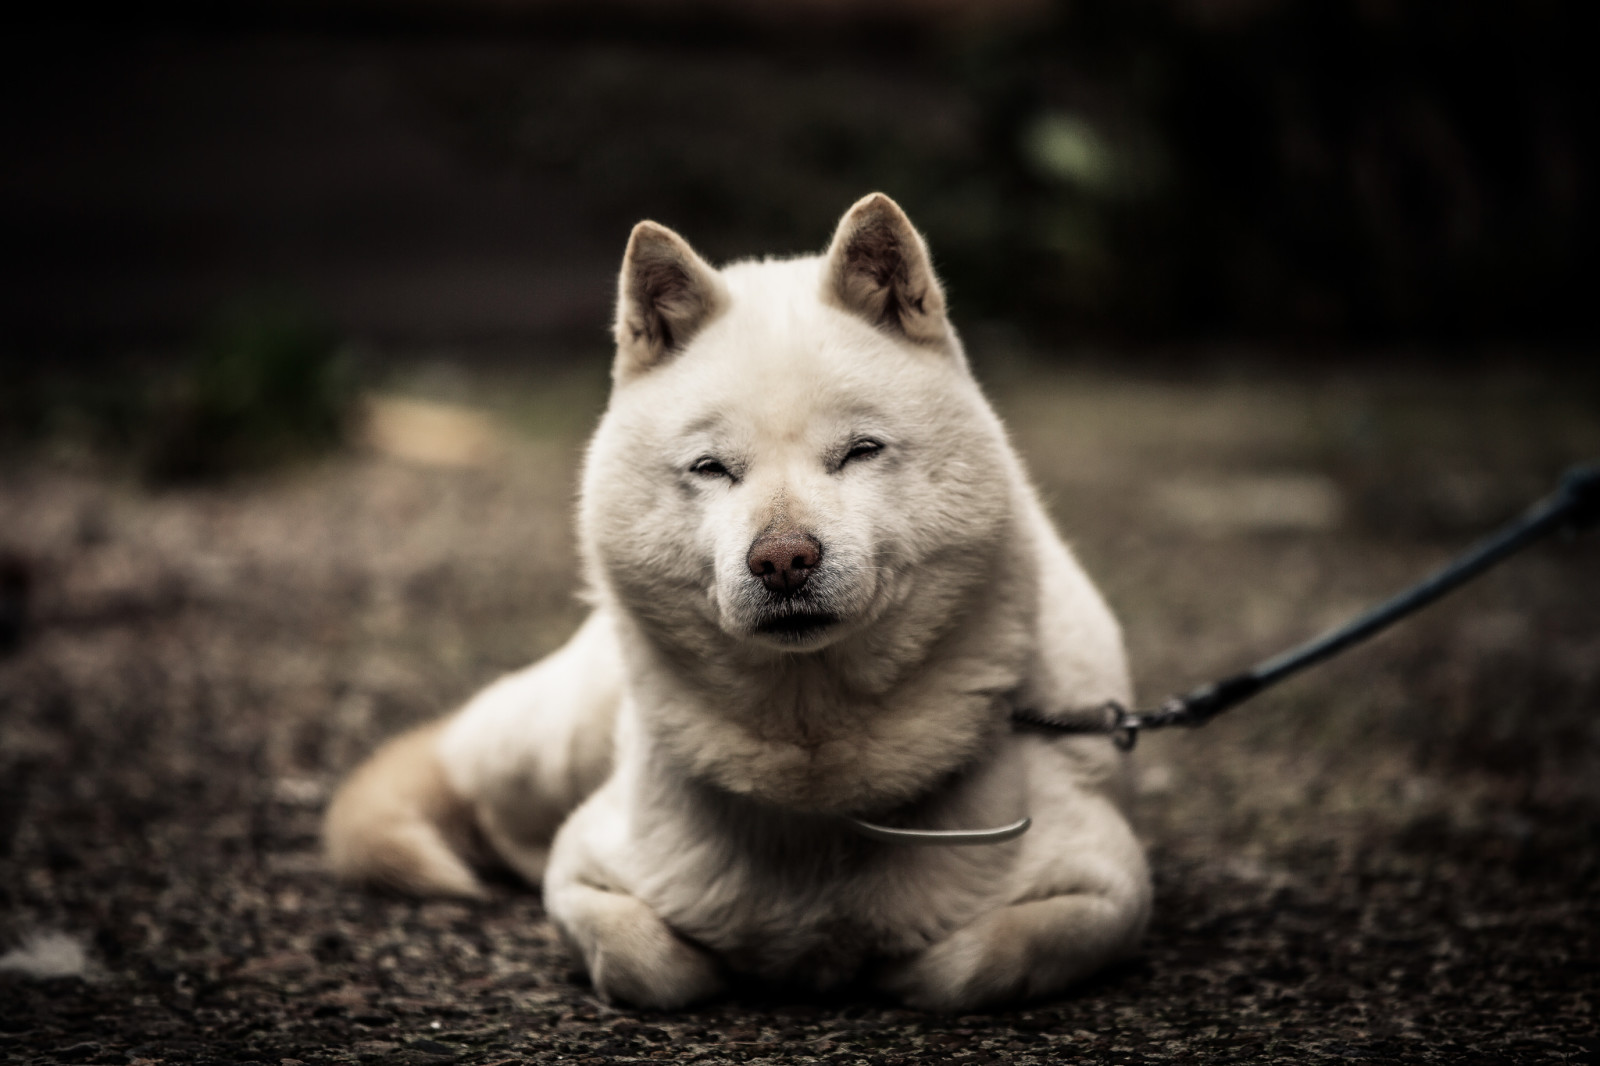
x,y
678,773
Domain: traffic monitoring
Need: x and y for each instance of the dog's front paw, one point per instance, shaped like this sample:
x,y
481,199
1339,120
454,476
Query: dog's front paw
x,y
961,972
1022,951
632,956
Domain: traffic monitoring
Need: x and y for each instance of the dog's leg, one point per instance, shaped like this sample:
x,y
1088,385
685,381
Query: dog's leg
x,y
631,955
1080,901
1022,951
397,823
503,772
1080,897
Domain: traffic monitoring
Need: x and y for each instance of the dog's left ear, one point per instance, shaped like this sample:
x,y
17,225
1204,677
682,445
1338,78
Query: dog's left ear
x,y
666,295
878,268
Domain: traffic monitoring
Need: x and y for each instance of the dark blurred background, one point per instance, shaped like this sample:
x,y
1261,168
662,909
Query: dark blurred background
x,y
1349,172
303,324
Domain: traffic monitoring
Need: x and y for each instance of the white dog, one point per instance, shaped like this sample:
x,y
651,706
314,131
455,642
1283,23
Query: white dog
x,y
822,583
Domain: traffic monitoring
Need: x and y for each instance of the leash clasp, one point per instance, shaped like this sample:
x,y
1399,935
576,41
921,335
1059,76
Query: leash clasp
x,y
1194,709
1122,726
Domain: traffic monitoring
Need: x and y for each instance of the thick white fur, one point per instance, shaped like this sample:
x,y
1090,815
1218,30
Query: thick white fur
x,y
677,776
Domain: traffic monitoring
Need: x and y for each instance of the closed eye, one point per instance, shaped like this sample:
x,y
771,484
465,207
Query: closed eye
x,y
865,448
706,466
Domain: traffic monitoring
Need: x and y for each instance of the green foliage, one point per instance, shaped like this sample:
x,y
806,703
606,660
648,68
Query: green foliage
x,y
269,384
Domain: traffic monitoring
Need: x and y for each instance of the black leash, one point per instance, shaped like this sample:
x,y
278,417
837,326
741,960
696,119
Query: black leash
x,y
1575,505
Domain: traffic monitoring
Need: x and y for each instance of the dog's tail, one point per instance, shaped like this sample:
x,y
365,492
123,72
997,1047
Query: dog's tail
x,y
397,823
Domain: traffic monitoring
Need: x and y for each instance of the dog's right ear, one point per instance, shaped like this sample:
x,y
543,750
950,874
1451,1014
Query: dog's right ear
x,y
665,296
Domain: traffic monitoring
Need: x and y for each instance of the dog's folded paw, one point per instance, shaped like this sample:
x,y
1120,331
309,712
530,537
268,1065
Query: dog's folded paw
x,y
1022,951
632,956
955,974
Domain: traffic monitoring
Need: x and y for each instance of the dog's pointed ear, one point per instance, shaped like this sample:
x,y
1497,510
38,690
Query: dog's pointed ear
x,y
878,268
666,295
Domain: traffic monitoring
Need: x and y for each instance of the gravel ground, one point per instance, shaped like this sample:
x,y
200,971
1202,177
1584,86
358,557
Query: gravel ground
x,y
1394,859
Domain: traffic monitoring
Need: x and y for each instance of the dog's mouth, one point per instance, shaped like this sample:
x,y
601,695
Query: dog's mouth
x,y
797,626
807,619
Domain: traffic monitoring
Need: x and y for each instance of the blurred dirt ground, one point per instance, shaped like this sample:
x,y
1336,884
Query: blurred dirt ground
x,y
1395,858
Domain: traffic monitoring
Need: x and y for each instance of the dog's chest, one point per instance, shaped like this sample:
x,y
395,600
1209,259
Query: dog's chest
x,y
823,911
828,951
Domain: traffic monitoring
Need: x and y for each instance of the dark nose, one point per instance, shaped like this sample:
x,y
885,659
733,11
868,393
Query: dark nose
x,y
784,560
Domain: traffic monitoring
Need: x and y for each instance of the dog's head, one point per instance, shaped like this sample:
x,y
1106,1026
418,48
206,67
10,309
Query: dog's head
x,y
794,449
